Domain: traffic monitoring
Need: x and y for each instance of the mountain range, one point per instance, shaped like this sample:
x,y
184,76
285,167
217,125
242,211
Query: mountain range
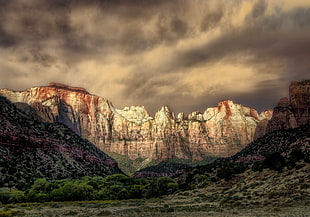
x,y
132,132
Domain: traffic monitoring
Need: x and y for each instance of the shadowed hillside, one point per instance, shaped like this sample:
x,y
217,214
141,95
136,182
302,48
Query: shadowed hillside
x,y
30,149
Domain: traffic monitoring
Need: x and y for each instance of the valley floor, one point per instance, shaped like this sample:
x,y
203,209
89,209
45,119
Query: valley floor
x,y
151,208
266,193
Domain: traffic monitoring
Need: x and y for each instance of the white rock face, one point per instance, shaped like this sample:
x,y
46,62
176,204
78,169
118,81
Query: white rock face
x,y
219,131
137,114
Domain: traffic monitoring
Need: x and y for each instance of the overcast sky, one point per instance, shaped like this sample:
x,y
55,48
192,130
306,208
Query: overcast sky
x,y
188,54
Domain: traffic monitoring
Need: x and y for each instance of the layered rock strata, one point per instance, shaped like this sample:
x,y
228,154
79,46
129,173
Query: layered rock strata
x,y
219,131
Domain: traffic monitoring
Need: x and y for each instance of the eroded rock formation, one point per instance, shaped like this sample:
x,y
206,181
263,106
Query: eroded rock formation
x,y
219,131
292,112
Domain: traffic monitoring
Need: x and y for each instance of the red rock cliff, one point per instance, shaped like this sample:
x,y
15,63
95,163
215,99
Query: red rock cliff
x,y
292,112
219,131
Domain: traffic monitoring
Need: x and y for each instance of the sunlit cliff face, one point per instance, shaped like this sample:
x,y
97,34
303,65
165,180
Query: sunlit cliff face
x,y
186,53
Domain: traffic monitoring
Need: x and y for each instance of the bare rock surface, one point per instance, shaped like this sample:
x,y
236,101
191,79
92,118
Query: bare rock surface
x,y
219,131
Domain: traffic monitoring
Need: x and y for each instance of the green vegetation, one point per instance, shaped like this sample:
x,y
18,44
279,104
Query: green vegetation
x,y
11,213
113,187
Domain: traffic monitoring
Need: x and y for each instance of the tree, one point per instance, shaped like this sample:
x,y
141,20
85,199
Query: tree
x,y
274,161
73,191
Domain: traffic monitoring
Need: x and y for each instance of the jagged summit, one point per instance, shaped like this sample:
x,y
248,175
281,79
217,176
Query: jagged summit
x,y
136,113
66,87
294,111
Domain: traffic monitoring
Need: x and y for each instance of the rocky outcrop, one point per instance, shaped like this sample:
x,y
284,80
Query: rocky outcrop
x,y
87,115
219,131
292,112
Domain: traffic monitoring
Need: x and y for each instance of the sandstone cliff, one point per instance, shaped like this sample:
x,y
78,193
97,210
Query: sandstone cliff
x,y
292,112
219,131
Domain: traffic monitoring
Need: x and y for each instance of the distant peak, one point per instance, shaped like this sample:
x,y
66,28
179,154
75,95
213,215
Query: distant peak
x,y
226,103
302,82
165,108
283,102
66,87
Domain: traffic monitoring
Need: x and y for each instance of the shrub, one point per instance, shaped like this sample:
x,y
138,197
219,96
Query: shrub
x,y
73,191
273,194
11,213
136,191
258,166
161,186
202,181
274,161
12,197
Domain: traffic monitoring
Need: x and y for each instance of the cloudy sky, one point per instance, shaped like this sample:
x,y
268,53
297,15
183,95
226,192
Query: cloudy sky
x,y
188,54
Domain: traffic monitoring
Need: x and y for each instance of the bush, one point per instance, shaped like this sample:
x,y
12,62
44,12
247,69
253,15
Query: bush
x,y
274,161
295,156
201,181
228,169
11,213
12,197
73,191
258,166
136,191
161,186
114,187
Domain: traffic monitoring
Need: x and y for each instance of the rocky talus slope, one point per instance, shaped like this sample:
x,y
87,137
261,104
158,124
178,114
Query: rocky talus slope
x,y
218,131
30,148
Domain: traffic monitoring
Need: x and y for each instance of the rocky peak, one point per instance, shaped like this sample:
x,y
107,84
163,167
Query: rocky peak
x,y
131,131
266,114
180,117
84,113
196,116
227,109
292,112
299,93
283,102
69,88
261,127
164,115
137,114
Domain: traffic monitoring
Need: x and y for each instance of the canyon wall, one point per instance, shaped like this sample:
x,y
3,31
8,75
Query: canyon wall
x,y
218,131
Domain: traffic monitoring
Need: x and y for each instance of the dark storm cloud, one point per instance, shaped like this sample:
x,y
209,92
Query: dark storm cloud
x,y
211,19
259,9
261,41
37,22
268,37
5,39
